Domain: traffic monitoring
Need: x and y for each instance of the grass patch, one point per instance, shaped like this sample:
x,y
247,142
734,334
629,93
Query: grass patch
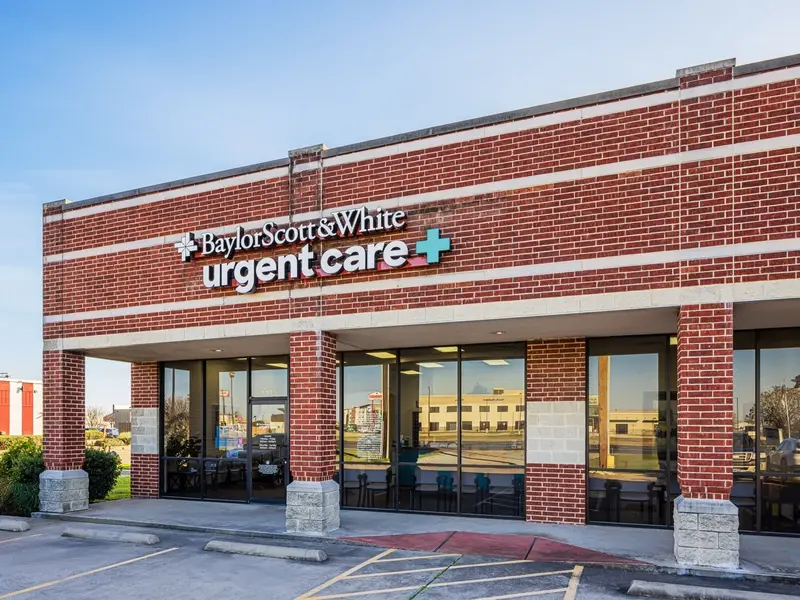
x,y
126,466
120,491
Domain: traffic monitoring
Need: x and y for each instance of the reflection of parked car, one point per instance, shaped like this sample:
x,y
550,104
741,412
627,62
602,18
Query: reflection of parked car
x,y
744,452
786,457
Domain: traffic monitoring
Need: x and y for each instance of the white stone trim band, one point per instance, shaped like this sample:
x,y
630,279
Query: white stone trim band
x,y
565,305
189,190
506,185
477,133
532,270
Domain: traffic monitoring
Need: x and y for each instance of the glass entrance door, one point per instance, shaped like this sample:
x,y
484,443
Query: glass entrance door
x,y
268,449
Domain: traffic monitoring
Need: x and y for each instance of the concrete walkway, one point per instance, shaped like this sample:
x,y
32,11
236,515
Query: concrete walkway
x,y
759,554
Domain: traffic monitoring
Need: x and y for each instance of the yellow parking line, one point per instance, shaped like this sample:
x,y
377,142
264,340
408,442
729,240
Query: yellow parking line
x,y
24,537
341,576
487,564
433,585
79,575
572,587
415,557
524,594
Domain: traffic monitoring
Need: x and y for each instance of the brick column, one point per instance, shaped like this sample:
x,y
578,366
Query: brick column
x,y
312,499
556,431
64,485
706,521
144,430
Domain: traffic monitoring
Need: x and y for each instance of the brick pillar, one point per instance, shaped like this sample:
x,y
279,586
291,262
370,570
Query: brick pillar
x,y
556,431
64,485
312,499
706,521
144,430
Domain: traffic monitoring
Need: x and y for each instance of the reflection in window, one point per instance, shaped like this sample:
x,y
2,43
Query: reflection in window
x,y
428,380
269,377
183,410
630,439
779,412
369,396
226,408
426,406
493,379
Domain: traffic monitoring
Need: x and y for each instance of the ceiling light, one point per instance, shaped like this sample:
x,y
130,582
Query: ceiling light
x,y
216,350
385,355
498,332
496,362
411,372
278,365
431,365
673,340
446,349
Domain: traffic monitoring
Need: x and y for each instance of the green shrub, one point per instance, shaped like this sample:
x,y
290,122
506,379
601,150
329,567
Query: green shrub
x,y
93,434
103,469
6,440
114,442
125,438
20,466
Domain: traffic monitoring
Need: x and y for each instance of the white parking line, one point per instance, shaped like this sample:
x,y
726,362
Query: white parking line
x,y
385,560
572,587
308,595
24,537
487,564
79,575
446,584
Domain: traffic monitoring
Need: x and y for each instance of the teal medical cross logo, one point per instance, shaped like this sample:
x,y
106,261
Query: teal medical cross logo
x,y
432,246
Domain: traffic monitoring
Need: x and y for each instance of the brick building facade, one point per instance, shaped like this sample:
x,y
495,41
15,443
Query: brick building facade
x,y
522,255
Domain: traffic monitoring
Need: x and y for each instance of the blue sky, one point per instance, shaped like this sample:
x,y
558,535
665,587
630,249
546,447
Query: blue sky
x,y
99,97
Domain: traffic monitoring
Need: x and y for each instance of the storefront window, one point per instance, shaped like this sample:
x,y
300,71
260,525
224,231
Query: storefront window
x,y
631,430
461,441
206,452
369,427
779,417
182,404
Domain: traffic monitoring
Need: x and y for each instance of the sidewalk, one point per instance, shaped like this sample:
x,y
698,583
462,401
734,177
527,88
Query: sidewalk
x,y
759,554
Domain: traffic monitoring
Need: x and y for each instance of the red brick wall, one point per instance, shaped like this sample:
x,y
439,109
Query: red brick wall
x,y
658,209
556,372
312,405
144,394
144,385
555,493
705,400
64,410
144,475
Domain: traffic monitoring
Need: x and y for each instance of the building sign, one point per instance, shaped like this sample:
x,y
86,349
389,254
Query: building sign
x,y
247,274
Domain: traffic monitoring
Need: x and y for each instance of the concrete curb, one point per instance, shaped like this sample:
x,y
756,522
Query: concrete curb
x,y
654,589
14,525
146,539
266,551
765,577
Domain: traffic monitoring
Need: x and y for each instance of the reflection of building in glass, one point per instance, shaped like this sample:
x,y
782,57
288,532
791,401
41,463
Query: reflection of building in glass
x,y
499,411
364,418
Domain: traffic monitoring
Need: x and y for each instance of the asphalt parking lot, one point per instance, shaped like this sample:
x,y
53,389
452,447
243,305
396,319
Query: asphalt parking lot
x,y
40,564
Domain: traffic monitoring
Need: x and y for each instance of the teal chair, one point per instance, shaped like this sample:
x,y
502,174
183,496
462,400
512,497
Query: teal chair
x,y
445,493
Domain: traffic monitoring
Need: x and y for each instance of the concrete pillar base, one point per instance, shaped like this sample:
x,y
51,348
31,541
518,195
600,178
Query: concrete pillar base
x,y
312,507
706,533
63,491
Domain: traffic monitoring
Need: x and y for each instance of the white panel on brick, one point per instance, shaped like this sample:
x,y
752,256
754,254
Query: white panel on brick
x,y
556,433
144,430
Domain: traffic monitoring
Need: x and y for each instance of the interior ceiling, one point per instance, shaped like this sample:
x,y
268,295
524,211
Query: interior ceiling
x,y
755,315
